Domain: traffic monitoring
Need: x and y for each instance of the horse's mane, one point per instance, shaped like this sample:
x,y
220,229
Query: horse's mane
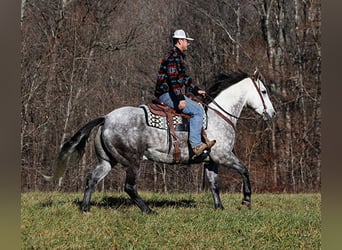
x,y
222,81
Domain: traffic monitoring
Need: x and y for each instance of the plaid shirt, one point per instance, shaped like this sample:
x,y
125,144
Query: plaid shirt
x,y
172,77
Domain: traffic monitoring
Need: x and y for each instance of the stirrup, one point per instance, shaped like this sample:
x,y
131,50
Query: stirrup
x,y
199,149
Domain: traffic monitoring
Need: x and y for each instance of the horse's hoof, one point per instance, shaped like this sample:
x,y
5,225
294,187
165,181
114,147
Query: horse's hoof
x,y
219,207
247,204
85,209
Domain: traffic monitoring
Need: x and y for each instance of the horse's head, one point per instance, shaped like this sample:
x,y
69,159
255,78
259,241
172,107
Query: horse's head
x,y
258,98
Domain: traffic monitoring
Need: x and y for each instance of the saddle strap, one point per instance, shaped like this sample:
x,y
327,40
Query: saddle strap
x,y
176,152
223,117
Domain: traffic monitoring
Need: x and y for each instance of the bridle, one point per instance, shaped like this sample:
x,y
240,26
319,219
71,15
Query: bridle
x,y
256,76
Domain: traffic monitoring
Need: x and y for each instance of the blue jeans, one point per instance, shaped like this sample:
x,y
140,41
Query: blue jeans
x,y
193,109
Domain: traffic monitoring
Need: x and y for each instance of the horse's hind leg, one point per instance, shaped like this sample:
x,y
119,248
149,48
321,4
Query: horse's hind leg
x,y
101,170
97,175
132,174
211,170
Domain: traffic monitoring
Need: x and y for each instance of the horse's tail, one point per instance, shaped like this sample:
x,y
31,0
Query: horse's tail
x,y
73,149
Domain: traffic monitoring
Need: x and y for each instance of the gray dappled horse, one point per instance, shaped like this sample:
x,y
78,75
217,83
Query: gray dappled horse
x,y
124,137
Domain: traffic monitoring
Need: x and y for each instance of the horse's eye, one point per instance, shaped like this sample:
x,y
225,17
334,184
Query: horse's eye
x,y
264,92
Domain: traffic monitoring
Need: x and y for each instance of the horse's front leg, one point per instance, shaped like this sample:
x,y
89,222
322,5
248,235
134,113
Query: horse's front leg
x,y
246,185
132,174
211,170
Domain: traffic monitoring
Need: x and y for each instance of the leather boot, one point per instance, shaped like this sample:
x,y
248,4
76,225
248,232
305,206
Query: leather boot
x,y
206,140
210,143
199,149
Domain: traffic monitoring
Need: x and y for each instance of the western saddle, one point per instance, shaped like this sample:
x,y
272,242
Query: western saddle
x,y
161,109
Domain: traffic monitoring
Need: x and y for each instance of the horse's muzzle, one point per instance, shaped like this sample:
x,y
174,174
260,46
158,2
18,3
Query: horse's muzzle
x,y
266,116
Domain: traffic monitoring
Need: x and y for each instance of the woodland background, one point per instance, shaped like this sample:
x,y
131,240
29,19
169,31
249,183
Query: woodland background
x,y
82,59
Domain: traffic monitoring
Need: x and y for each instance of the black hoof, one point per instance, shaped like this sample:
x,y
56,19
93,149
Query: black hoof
x,y
247,204
85,208
219,207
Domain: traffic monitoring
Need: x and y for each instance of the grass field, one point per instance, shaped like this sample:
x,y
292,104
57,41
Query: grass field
x,y
184,221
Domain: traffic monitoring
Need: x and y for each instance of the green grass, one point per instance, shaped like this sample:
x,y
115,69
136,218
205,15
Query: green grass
x,y
184,221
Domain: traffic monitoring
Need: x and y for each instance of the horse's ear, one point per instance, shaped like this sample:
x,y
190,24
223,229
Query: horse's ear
x,y
256,72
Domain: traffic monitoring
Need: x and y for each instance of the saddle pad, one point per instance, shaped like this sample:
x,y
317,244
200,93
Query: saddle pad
x,y
179,123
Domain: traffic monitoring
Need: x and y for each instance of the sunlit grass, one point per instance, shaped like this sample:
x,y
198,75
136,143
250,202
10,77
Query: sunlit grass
x,y
184,221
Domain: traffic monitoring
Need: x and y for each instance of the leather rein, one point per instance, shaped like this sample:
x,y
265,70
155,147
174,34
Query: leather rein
x,y
253,78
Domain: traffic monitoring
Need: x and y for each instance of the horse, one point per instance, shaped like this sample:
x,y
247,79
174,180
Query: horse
x,y
124,137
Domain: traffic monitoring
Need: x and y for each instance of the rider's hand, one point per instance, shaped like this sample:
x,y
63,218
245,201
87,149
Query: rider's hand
x,y
201,92
181,104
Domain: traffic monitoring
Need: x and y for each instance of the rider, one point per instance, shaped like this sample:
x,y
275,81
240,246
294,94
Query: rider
x,y
170,82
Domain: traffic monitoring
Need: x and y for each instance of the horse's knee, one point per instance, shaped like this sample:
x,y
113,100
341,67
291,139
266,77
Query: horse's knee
x,y
246,172
241,169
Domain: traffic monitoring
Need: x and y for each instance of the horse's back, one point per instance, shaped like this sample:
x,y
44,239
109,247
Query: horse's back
x,y
123,133
125,120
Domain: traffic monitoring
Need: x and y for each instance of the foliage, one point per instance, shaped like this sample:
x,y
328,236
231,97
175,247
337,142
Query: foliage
x,y
184,221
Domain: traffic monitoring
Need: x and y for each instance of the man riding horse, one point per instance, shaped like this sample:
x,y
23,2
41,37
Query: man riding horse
x,y
229,94
170,82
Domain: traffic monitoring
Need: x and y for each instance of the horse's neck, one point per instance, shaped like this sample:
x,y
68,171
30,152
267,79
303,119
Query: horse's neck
x,y
233,99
